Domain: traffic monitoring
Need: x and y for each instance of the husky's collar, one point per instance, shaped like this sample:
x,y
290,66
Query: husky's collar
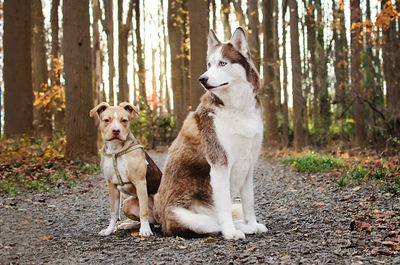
x,y
114,157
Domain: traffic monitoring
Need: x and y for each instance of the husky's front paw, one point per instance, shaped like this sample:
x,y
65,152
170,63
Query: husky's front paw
x,y
233,234
259,228
245,228
106,232
145,229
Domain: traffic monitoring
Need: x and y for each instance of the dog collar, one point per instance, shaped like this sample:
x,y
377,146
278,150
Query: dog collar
x,y
114,157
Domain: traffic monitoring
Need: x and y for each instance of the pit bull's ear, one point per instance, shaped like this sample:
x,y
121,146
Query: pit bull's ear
x,y
239,42
213,42
98,109
129,107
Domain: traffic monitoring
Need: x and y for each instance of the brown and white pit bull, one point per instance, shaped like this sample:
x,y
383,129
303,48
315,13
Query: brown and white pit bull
x,y
127,168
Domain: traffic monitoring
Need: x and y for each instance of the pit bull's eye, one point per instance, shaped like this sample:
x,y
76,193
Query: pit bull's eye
x,y
106,120
221,63
124,120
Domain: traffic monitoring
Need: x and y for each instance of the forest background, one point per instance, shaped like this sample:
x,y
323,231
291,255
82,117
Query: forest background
x,y
330,77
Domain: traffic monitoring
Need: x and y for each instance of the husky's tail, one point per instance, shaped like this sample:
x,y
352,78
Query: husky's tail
x,y
200,223
203,220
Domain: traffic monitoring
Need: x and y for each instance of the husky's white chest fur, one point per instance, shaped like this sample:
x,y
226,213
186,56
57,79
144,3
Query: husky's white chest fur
x,y
240,134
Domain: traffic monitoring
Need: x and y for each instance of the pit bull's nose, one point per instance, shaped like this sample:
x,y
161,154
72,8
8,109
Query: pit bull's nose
x,y
116,131
203,79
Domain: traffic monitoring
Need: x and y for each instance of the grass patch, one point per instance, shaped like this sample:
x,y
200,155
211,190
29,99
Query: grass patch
x,y
314,163
384,171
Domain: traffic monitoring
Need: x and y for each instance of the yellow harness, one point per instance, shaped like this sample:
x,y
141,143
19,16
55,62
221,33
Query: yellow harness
x,y
114,158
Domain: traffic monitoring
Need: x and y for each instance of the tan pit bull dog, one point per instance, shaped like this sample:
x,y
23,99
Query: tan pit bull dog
x,y
127,168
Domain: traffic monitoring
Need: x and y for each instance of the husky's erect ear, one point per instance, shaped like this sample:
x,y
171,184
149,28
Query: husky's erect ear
x,y
239,42
130,108
99,109
213,42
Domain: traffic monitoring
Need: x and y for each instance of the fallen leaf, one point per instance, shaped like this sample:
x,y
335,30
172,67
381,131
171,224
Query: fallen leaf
x,y
182,247
357,188
360,226
45,238
135,234
143,238
252,249
318,204
381,251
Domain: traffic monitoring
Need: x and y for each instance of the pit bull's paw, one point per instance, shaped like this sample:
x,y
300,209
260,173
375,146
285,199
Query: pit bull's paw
x,y
233,234
145,229
106,232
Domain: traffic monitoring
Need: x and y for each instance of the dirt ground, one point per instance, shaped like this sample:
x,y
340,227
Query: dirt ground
x,y
310,220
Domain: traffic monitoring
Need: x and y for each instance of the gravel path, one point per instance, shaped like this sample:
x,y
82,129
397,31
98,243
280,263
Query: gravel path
x,y
310,221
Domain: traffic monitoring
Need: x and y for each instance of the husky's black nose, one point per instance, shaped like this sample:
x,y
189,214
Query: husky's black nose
x,y
203,79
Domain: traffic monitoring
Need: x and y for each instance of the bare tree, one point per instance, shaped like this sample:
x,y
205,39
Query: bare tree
x,y
18,95
81,132
108,26
199,28
123,34
271,130
254,32
176,35
225,11
356,76
296,77
55,72
43,126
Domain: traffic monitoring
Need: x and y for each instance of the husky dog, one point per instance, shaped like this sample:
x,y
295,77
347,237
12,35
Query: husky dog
x,y
213,158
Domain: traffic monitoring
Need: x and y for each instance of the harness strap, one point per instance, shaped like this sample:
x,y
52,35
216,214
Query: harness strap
x,y
115,156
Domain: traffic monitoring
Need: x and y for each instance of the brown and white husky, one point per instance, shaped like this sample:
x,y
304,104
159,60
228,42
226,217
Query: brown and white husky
x,y
213,158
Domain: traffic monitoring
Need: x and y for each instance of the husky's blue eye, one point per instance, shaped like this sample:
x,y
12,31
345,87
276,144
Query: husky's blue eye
x,y
221,63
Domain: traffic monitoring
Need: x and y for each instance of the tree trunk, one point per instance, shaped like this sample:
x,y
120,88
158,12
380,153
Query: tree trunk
x,y
253,31
341,62
55,72
18,96
391,66
237,4
356,76
96,59
80,130
43,126
225,11
271,130
311,44
322,76
140,60
108,26
285,109
296,77
199,28
123,34
176,29
214,14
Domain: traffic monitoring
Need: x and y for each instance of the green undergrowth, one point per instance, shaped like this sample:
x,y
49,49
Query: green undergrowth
x,y
384,172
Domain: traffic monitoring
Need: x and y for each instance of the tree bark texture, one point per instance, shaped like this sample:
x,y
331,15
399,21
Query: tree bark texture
x,y
199,28
43,127
55,72
254,32
225,11
18,95
108,26
356,75
285,109
123,34
271,129
81,132
296,77
176,34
